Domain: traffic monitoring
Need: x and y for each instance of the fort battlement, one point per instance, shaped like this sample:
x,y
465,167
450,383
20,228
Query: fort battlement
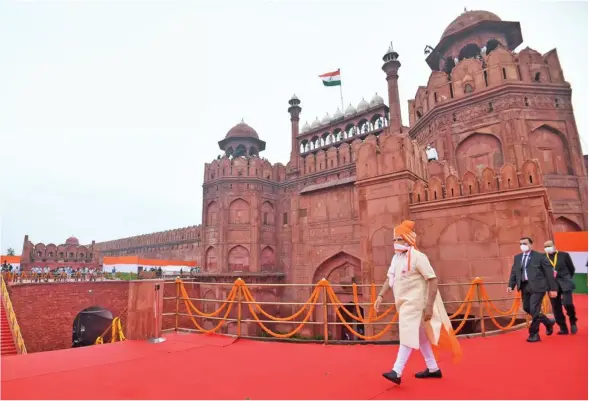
x,y
179,242
473,71
443,183
244,167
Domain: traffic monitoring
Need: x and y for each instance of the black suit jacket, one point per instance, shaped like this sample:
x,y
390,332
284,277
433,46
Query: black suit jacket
x,y
540,275
565,270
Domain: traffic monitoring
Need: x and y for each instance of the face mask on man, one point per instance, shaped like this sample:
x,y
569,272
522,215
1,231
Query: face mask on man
x,y
524,248
401,247
549,249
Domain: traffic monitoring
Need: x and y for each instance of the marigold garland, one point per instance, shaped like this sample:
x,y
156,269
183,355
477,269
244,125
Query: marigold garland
x,y
240,288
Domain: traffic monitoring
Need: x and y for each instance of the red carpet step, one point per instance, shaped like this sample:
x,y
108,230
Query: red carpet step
x,y
7,346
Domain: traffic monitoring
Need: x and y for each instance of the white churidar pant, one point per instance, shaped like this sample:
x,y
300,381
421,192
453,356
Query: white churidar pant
x,y
426,350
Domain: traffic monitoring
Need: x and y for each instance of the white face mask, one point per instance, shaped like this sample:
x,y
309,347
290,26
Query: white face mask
x,y
401,247
524,248
549,249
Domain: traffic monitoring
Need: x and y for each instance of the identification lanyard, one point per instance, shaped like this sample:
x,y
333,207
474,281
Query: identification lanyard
x,y
555,259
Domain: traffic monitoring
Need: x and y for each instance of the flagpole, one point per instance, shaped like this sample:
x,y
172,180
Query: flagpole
x,y
341,92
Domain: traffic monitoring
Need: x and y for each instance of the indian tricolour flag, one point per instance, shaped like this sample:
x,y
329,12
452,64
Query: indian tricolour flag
x,y
575,244
331,78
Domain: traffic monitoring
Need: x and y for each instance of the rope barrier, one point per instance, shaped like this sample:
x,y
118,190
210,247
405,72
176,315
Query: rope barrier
x,y
116,330
296,329
190,306
241,291
230,297
249,298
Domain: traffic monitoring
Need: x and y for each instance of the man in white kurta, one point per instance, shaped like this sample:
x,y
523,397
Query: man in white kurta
x,y
422,315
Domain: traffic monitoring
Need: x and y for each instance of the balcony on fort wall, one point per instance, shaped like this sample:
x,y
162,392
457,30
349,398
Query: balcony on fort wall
x,y
356,122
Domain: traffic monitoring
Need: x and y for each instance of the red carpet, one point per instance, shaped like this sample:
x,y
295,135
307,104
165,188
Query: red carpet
x,y
191,366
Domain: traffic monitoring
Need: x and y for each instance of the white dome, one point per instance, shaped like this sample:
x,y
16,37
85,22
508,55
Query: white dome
x,y
315,123
350,111
326,119
363,105
338,114
306,127
376,100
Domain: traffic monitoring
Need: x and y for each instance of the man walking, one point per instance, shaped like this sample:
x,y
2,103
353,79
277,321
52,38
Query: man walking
x,y
532,274
564,270
423,320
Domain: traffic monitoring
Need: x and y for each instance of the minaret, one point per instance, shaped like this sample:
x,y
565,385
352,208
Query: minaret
x,y
294,111
391,68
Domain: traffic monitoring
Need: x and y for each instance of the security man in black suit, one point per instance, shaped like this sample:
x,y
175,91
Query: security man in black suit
x,y
564,270
532,274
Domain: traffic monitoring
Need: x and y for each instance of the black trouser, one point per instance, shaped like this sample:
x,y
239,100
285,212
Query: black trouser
x,y
564,298
532,302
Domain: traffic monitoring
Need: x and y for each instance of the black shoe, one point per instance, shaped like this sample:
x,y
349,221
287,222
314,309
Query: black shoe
x,y
534,338
392,376
427,374
573,328
550,327
563,331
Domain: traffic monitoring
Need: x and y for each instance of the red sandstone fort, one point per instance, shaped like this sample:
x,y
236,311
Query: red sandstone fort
x,y
509,164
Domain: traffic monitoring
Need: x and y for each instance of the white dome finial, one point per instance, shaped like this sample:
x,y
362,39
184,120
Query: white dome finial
x,y
376,100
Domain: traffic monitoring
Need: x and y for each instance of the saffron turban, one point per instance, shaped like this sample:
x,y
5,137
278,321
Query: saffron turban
x,y
405,231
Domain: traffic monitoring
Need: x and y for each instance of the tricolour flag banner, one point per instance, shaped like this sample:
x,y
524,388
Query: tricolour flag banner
x,y
131,264
331,78
10,260
575,244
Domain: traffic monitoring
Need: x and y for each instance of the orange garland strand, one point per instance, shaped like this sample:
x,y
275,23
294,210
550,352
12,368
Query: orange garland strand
x,y
240,287
249,298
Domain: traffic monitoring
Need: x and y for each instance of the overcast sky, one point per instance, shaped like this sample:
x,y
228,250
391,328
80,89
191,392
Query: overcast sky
x,y
109,110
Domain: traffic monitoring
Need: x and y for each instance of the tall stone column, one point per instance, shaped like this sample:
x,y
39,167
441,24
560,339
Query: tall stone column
x,y
391,68
295,111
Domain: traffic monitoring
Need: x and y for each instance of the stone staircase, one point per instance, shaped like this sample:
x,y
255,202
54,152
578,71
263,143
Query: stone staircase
x,y
7,345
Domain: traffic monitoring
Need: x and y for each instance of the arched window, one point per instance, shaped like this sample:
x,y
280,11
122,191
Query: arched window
x,y
471,50
240,151
492,45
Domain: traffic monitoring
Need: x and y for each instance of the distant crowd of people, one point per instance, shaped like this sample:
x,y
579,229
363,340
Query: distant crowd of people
x,y
159,272
64,273
8,268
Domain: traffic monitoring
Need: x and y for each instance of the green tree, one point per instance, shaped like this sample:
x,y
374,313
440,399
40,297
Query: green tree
x,y
10,252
